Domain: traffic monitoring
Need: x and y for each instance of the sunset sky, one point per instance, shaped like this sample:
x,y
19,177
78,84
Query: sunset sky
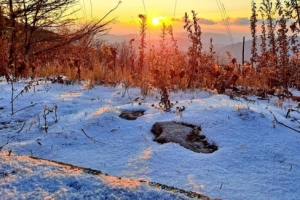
x,y
159,11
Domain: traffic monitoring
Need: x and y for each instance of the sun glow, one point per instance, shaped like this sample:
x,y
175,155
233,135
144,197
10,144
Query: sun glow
x,y
155,21
158,20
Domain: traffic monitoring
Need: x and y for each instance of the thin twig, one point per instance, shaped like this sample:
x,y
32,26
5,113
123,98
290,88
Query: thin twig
x,y
288,112
283,123
24,108
248,100
92,139
21,93
22,127
262,98
3,146
295,119
221,185
9,152
109,12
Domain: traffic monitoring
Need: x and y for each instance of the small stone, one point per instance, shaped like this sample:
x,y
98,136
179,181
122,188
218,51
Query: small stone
x,y
131,115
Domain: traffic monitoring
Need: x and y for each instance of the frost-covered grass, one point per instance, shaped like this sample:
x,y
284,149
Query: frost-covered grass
x,y
257,157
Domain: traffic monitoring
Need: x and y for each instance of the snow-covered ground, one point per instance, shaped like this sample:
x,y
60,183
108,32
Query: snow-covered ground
x,y
257,158
26,178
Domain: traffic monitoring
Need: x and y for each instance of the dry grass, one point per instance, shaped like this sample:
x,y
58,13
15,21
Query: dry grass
x,y
163,67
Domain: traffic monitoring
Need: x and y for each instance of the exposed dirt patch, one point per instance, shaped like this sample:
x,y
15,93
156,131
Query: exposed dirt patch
x,y
187,135
131,114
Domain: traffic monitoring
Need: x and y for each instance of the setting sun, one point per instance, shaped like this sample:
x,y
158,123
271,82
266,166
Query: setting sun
x,y
155,21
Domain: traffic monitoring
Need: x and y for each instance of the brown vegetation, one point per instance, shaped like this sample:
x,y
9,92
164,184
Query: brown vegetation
x,y
31,49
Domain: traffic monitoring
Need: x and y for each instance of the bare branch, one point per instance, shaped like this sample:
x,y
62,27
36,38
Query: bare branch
x,y
92,139
283,123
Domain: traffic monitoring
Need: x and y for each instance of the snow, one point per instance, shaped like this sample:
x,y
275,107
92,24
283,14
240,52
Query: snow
x,y
24,178
257,157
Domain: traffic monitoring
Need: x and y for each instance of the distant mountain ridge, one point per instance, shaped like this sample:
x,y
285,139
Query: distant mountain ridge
x,y
236,49
219,40
221,43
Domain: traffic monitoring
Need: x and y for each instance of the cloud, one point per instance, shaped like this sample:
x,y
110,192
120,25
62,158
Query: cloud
x,y
206,21
233,21
200,20
239,21
178,19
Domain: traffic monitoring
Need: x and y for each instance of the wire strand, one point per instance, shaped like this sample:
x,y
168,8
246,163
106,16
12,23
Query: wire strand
x,y
91,5
223,15
144,7
175,9
226,22
84,10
